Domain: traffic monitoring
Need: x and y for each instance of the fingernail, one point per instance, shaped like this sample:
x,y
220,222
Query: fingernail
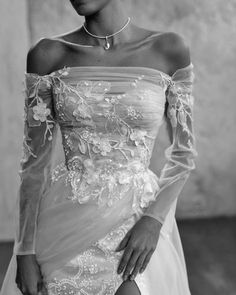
x,y
125,277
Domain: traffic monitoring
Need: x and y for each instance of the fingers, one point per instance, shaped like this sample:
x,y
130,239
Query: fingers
x,y
138,265
43,290
19,283
139,245
147,259
40,285
29,279
131,264
18,280
38,289
125,258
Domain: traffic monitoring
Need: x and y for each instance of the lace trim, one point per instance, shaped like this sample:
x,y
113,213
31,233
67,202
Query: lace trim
x,y
95,270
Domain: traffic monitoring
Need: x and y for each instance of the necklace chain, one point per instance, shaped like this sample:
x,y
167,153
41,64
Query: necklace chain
x,y
107,44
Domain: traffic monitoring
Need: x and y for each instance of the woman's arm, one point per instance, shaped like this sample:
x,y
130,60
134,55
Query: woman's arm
x,y
140,242
39,141
38,144
180,155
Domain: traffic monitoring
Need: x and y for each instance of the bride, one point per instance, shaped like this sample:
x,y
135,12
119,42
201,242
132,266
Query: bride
x,y
94,219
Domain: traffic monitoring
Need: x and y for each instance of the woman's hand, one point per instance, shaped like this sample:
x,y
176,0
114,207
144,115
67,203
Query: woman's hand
x,y
28,278
140,242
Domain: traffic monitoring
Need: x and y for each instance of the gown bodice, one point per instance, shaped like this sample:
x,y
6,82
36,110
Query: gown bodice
x,y
113,117
109,117
108,123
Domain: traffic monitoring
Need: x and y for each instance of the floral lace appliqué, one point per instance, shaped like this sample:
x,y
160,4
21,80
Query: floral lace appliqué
x,y
94,271
37,111
180,101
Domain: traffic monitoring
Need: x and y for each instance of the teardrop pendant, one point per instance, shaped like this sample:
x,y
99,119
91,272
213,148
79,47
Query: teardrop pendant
x,y
107,44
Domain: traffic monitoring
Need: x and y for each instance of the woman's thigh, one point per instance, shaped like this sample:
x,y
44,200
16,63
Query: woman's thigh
x,y
128,288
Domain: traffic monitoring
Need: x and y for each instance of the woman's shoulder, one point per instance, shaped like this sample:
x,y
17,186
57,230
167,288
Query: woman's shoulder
x,y
43,56
174,48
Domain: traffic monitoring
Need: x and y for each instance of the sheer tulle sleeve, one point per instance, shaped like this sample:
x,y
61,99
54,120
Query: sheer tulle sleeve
x,y
180,155
38,143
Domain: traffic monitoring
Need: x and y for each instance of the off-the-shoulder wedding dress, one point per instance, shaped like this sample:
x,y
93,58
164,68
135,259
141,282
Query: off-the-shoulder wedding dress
x,y
84,187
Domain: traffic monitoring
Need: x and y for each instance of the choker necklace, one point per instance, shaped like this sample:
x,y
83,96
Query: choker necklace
x,y
107,44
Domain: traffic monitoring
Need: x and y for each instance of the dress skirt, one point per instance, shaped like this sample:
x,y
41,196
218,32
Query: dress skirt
x,y
93,270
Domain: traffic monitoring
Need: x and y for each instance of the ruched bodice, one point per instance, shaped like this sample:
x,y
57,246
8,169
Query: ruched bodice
x,y
109,121
105,115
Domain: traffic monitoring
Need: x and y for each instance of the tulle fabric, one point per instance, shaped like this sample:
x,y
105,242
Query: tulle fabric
x,y
58,221
165,272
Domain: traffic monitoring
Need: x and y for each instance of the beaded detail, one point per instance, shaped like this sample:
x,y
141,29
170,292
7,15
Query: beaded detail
x,y
106,181
106,129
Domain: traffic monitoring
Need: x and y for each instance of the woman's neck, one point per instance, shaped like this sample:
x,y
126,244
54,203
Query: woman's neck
x,y
107,21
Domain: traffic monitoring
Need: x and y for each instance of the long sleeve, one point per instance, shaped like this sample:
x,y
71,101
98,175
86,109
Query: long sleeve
x,y
38,143
180,155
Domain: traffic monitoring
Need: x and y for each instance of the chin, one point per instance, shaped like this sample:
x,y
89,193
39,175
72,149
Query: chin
x,y
83,7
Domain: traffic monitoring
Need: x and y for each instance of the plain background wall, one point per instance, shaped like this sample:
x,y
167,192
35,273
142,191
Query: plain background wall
x,y
209,28
14,43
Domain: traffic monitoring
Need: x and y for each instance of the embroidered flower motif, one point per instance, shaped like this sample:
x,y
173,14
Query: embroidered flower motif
x,y
133,113
95,139
86,135
71,141
124,177
92,177
114,99
75,163
41,112
148,192
102,146
84,87
88,164
75,180
138,136
91,89
81,112
111,115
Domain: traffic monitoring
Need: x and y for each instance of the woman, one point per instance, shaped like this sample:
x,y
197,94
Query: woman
x,y
93,218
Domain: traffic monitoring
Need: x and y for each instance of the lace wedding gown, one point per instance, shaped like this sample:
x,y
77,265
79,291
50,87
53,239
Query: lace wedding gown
x,y
80,193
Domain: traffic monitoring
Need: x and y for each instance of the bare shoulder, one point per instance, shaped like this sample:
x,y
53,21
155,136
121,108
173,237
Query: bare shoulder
x,y
174,49
43,56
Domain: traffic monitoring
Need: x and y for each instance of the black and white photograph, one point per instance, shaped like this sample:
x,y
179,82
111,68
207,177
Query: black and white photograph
x,y
118,162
